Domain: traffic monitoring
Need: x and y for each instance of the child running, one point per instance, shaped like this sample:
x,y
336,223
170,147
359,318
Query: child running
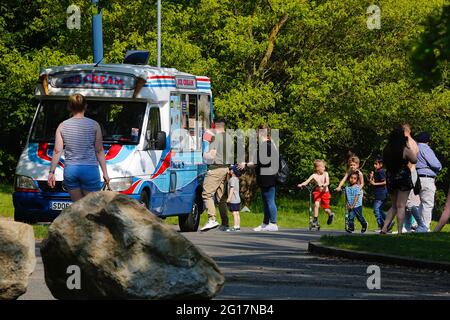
x,y
354,195
321,193
234,200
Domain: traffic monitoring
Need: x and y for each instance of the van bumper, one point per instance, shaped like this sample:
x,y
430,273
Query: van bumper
x,y
35,206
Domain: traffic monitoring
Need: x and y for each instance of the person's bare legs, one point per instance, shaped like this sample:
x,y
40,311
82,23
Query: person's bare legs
x,y
402,197
76,194
237,219
391,213
445,214
316,209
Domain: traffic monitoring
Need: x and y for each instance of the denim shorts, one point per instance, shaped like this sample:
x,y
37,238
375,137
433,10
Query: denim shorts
x,y
85,177
234,207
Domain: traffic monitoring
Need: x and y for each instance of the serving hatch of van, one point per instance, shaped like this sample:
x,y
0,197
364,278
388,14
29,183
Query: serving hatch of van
x,y
141,110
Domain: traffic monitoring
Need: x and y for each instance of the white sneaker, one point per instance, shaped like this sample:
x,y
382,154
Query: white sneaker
x,y
271,227
262,227
211,224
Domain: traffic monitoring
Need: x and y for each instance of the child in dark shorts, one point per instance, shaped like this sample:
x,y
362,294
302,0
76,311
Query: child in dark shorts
x,y
234,200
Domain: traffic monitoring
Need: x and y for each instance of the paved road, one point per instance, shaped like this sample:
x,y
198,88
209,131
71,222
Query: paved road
x,y
278,266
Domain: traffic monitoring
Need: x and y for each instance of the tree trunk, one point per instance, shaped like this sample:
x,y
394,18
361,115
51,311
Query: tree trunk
x,y
248,187
271,44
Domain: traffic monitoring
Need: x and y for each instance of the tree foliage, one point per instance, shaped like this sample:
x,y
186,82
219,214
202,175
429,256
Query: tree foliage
x,y
431,54
309,68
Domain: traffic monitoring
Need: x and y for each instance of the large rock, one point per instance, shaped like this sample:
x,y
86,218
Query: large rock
x,y
123,252
17,258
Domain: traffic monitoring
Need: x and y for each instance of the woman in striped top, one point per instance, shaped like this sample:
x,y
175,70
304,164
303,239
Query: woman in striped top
x,y
82,141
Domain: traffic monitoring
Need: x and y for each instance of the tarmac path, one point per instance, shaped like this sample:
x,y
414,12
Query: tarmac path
x,y
277,265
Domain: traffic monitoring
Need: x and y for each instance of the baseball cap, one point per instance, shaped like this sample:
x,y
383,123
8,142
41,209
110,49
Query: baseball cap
x,y
236,170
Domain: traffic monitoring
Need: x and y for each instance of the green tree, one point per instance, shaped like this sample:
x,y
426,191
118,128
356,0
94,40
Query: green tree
x,y
309,68
431,53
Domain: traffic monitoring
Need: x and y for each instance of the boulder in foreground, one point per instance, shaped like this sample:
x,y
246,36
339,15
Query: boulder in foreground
x,y
17,258
122,251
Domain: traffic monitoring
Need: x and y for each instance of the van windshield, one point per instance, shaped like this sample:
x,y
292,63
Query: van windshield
x,y
121,122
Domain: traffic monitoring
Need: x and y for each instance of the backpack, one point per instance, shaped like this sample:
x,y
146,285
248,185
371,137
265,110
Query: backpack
x,y
283,171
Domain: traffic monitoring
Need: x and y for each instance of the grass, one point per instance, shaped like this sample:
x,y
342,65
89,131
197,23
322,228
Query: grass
x,y
429,246
7,210
40,231
6,206
293,212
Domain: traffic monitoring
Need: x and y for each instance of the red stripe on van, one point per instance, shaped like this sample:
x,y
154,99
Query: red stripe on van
x,y
161,77
164,166
131,189
113,151
43,153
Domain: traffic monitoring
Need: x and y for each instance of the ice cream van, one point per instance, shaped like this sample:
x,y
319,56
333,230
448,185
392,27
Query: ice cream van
x,y
141,111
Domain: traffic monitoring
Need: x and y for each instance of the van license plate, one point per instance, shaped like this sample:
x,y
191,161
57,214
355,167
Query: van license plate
x,y
59,205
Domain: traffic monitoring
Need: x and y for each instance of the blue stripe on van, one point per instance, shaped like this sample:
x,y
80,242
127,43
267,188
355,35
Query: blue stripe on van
x,y
160,85
161,81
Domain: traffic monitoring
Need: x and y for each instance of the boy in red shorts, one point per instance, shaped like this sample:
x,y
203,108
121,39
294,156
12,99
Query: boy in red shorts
x,y
321,193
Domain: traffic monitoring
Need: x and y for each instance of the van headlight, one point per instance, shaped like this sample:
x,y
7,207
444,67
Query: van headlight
x,y
120,184
24,182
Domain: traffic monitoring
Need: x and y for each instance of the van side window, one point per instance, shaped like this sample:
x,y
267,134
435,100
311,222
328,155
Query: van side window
x,y
153,127
204,112
194,140
175,121
190,116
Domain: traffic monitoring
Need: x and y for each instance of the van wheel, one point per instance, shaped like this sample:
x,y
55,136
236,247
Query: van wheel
x,y
189,222
144,199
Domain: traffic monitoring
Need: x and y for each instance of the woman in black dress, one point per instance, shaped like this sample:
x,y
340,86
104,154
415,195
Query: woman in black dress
x,y
398,155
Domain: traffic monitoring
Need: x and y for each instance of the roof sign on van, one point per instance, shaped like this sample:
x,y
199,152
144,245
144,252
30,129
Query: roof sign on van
x,y
93,80
183,82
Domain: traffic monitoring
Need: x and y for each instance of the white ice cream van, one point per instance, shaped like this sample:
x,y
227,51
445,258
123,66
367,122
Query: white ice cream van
x,y
141,110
